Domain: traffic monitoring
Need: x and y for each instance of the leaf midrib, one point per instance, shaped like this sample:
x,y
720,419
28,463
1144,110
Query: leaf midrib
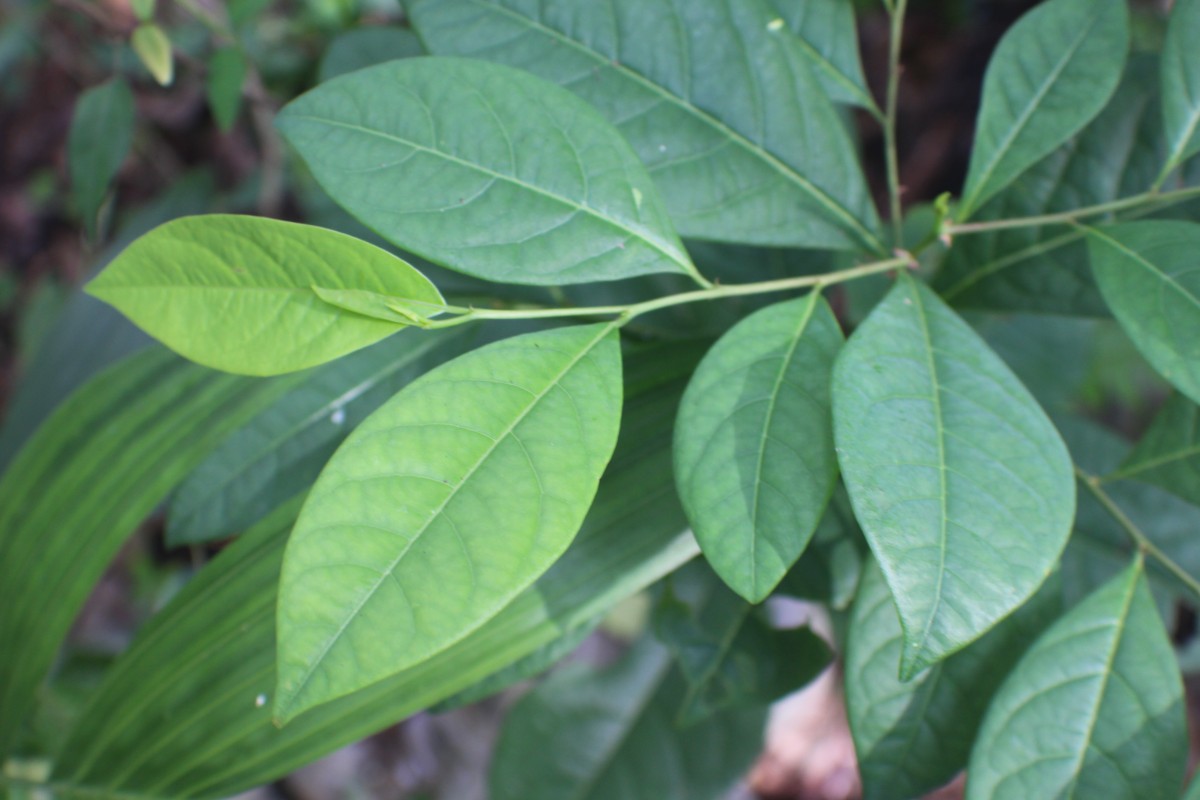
x,y
1150,266
388,572
823,198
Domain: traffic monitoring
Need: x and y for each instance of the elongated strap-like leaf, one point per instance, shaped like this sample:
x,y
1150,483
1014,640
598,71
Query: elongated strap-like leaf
x,y
186,712
715,96
486,170
93,471
754,456
280,452
1181,82
590,735
962,485
236,293
1150,277
101,134
1051,74
913,737
1094,709
442,506
1168,455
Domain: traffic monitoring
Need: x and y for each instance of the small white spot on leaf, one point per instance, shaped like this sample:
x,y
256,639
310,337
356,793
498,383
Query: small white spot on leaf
x,y
637,198
260,701
338,417
775,24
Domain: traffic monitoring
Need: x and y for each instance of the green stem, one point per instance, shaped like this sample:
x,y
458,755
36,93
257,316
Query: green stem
x,y
889,122
1068,217
628,312
1143,542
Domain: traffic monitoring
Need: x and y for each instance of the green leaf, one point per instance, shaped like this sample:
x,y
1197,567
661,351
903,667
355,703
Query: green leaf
x,y
913,737
962,485
1147,273
100,138
1044,269
754,458
280,452
1050,355
1051,74
226,76
236,293
716,99
829,40
832,564
153,49
729,655
143,9
1181,82
441,164
442,506
1168,454
91,473
180,714
608,735
365,47
1094,709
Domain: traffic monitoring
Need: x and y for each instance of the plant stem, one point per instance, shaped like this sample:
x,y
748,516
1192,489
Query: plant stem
x,y
1068,217
628,312
1143,542
889,123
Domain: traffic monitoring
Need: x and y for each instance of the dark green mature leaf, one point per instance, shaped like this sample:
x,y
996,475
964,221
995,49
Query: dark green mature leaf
x,y
100,137
962,485
1051,74
181,714
1044,269
1181,82
442,506
609,736
226,76
729,655
236,293
80,485
1094,709
279,453
829,40
1168,455
486,170
754,458
1148,274
832,564
366,47
1050,355
913,737
715,96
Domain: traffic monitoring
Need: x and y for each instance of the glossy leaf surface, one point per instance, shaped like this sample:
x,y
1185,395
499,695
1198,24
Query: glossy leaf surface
x,y
609,736
442,506
236,293
754,457
1168,454
100,137
1149,275
719,102
962,485
115,448
191,684
1094,709
913,737
486,170
1181,82
280,452
1051,74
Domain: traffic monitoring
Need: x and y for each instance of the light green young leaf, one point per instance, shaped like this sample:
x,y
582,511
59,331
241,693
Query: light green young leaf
x,y
913,737
962,485
235,293
366,47
226,75
1168,454
209,657
610,735
442,506
829,40
100,137
717,99
279,453
1148,274
1094,709
1051,74
153,48
1181,82
754,457
486,170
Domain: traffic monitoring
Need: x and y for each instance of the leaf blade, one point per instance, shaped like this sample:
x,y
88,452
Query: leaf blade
x,y
1180,79
100,137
